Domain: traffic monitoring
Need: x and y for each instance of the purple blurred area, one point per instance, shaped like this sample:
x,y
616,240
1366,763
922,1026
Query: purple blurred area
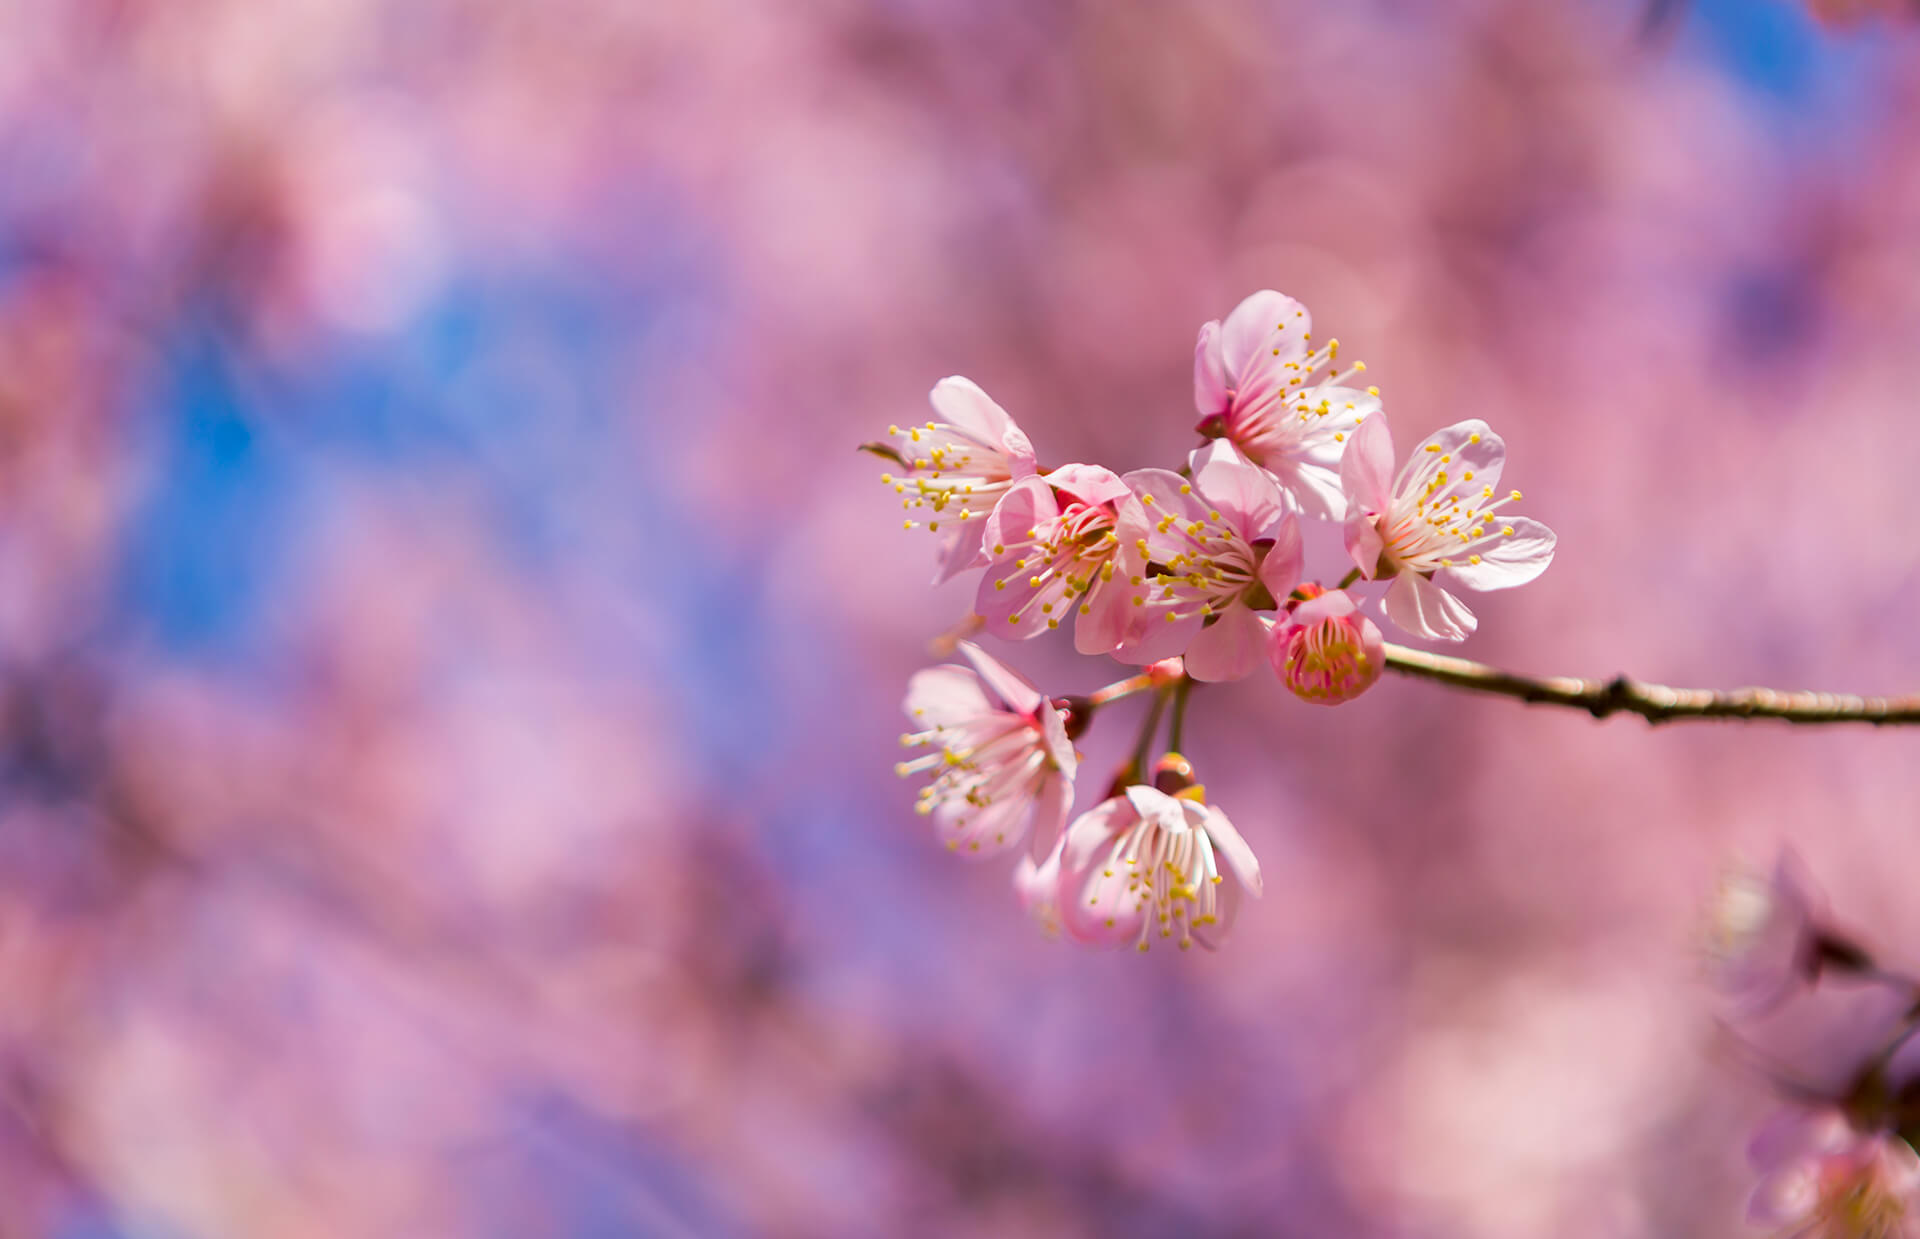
x,y
450,651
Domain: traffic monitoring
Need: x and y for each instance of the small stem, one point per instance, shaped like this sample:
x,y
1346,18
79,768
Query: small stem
x,y
1176,730
1121,688
1654,702
1135,769
1347,580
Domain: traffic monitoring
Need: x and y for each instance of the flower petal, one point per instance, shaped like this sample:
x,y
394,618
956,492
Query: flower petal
x,y
1366,469
1280,570
1471,448
945,696
1009,685
1210,394
1050,810
1162,493
1509,560
1264,333
1092,484
1243,492
1154,805
960,402
1230,647
1232,848
961,551
1426,610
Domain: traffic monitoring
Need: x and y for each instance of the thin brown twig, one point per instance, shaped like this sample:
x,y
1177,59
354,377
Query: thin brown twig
x,y
1656,703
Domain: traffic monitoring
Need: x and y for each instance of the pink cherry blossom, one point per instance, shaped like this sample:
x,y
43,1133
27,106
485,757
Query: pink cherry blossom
x,y
958,468
1822,1178
1220,548
1761,935
1437,515
1325,650
1001,760
1254,383
1062,544
1145,860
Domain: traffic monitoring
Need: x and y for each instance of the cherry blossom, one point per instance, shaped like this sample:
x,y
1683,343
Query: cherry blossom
x,y
1000,759
1062,544
1145,860
1437,514
1220,548
1824,1179
1325,651
1254,382
958,468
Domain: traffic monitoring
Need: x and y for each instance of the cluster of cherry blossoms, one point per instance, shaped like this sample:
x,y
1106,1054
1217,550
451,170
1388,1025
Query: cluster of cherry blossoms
x,y
1196,575
1838,1162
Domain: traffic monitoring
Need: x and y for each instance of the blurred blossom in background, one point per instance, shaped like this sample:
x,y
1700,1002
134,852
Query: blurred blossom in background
x,y
450,651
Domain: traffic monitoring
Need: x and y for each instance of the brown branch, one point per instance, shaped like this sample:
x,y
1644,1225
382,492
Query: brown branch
x,y
1654,702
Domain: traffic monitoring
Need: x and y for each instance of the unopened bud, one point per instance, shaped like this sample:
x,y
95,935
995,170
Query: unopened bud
x,y
1325,651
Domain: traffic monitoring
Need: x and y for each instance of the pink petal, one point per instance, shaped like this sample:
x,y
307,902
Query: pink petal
x,y
984,832
1009,685
1108,611
1508,561
1245,494
961,551
1148,637
1210,394
1474,447
1425,610
1037,884
1154,805
1050,810
1229,648
1797,1133
1163,493
1090,484
1280,570
945,696
1232,848
1787,1196
960,402
1053,734
1366,468
1263,334
1364,542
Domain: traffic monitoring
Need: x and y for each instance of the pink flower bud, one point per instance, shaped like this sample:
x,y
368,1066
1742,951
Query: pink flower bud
x,y
1325,651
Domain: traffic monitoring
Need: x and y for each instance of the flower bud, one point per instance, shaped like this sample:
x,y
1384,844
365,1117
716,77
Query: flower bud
x,y
1325,651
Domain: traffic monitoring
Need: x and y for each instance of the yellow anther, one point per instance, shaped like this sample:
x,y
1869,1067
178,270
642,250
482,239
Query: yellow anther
x,y
1147,499
1053,623
1473,559
1034,582
1506,531
1373,391
1515,496
1186,488
1474,437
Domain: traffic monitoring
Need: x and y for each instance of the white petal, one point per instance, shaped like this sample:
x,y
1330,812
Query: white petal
x,y
1425,610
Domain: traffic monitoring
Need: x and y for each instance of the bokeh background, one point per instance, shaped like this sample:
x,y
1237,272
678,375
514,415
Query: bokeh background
x,y
450,650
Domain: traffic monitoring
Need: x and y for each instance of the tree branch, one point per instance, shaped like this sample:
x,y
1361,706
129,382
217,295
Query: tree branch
x,y
1654,702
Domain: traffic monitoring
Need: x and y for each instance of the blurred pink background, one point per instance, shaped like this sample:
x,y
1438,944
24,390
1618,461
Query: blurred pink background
x,y
450,650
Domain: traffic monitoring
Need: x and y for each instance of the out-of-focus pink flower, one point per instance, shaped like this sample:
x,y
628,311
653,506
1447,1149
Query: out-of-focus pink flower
x,y
1437,514
1001,758
959,467
1822,1178
1060,543
1145,860
1254,383
1325,650
1223,545
1760,937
